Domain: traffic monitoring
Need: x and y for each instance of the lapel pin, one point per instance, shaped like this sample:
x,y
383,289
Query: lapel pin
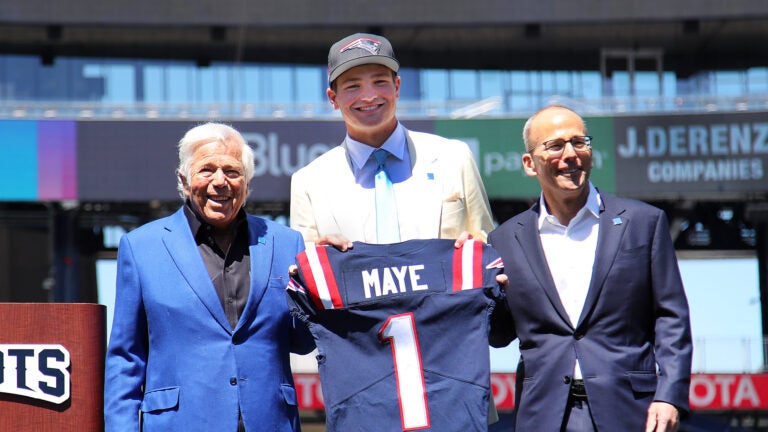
x,y
617,221
262,240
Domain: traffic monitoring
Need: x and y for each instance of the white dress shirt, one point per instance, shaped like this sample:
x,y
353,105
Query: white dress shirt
x,y
570,252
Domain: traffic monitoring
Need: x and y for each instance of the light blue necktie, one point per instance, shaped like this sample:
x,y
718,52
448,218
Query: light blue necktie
x,y
387,229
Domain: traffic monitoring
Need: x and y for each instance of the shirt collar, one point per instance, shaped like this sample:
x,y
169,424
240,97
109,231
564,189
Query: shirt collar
x,y
359,153
593,204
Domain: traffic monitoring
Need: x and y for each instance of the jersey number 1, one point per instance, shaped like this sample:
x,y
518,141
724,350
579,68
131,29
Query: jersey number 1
x,y
400,332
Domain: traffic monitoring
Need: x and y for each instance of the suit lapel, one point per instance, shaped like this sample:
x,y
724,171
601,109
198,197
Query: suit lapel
x,y
351,219
612,228
528,237
182,248
420,195
261,246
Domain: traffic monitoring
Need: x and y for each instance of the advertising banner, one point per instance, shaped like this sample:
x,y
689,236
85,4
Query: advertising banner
x,y
498,148
310,393
709,155
709,392
137,161
729,392
39,160
128,161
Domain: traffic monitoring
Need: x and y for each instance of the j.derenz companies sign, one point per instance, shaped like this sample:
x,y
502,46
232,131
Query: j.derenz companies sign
x,y
675,155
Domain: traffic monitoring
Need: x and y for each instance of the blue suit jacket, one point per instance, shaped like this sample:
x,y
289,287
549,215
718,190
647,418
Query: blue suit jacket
x,y
173,355
635,317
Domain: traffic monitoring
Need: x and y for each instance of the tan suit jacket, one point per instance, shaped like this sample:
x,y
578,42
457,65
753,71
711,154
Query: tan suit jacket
x,y
443,197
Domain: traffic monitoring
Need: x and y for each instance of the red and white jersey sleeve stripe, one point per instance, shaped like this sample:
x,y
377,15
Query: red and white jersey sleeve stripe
x,y
319,277
468,266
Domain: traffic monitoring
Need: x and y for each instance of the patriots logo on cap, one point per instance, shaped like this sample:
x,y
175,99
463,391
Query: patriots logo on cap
x,y
497,263
371,45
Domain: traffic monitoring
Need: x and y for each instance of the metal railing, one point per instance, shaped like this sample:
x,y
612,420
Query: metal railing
x,y
493,107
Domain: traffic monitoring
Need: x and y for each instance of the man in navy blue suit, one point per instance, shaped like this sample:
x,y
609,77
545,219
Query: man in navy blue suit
x,y
595,297
202,333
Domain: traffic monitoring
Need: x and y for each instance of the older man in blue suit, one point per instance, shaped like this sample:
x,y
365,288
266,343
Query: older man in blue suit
x,y
202,334
595,295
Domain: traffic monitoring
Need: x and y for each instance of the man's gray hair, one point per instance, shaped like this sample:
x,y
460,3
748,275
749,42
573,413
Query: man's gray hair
x,y
206,133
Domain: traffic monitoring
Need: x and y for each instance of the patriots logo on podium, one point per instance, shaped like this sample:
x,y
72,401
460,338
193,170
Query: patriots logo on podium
x,y
36,371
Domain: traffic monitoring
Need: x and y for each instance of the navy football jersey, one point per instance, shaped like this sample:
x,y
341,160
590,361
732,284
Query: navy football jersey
x,y
401,331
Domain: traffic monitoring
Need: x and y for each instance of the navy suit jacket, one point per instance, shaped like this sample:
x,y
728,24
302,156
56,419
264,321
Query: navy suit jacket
x,y
173,355
633,338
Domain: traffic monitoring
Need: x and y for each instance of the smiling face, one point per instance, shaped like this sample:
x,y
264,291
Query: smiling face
x,y
217,185
561,176
367,97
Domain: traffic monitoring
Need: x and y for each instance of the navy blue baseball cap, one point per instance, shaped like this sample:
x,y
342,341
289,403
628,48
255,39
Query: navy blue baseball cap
x,y
359,49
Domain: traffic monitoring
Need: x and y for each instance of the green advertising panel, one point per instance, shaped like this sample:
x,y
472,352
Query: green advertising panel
x,y
498,146
603,153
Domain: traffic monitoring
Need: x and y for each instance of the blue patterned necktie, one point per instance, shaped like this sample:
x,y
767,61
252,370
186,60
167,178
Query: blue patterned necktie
x,y
387,229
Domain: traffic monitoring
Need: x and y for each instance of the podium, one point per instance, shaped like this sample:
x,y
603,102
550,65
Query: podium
x,y
52,361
